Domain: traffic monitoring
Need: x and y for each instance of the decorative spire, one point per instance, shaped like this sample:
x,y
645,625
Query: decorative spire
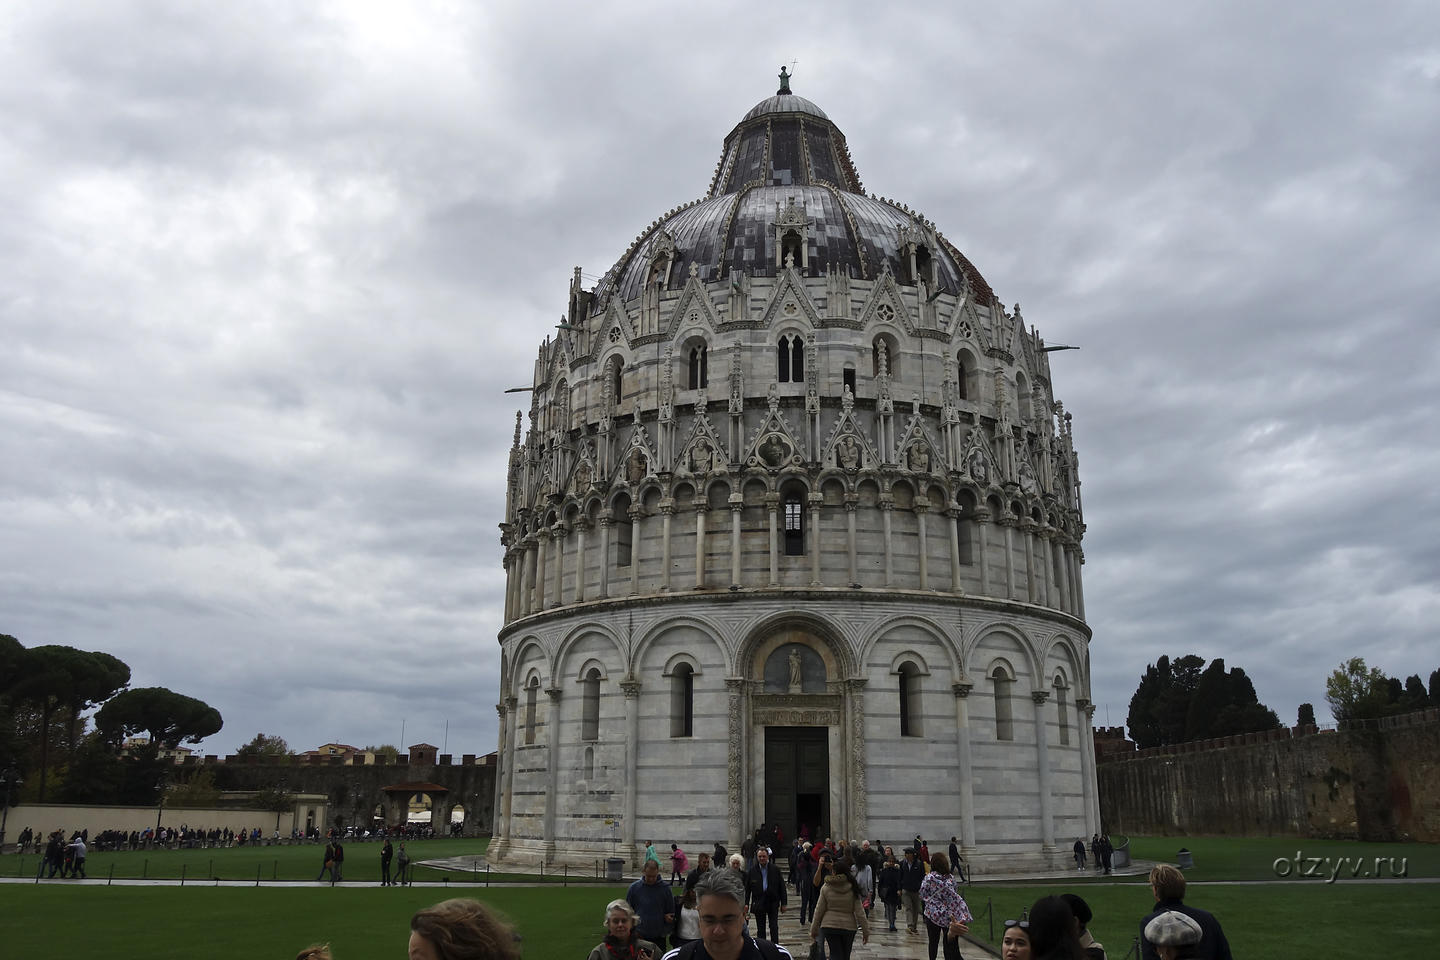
x,y
784,83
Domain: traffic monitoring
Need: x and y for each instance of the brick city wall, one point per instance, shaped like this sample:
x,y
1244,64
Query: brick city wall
x,y
1373,780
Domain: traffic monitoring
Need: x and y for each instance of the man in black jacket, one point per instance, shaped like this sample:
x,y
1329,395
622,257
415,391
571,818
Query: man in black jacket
x,y
702,867
1167,884
912,874
766,895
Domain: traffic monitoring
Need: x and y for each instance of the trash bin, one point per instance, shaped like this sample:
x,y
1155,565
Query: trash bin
x,y
614,868
1184,860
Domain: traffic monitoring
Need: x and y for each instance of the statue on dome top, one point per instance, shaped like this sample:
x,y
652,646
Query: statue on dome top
x,y
784,82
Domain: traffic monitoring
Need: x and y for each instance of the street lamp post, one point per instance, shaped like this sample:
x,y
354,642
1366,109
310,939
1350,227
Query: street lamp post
x,y
9,779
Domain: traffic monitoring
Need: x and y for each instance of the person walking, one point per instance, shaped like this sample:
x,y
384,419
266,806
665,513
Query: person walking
x,y
402,861
386,853
839,912
328,863
339,860
947,916
766,893
1079,854
654,904
679,864
912,874
889,890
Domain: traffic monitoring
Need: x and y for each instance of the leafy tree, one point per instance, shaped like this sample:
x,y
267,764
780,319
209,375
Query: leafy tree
x,y
1307,715
1357,692
1435,687
267,748
1415,696
56,678
390,752
170,718
273,799
1159,707
1225,703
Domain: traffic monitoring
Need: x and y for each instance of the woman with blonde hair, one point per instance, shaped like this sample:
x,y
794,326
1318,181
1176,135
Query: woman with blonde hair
x,y
621,941
461,929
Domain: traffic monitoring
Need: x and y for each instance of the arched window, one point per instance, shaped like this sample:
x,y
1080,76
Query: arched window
x,y
1001,684
791,246
590,705
1022,397
967,381
965,528
588,770
1062,712
615,370
790,359
848,378
532,693
682,701
924,266
909,683
794,526
620,517
699,367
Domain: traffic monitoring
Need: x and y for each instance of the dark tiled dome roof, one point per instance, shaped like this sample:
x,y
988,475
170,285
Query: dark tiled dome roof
x,y
785,147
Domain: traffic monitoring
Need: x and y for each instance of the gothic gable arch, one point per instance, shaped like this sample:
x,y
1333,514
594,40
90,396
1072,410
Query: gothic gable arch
x,y
929,628
1011,637
884,309
827,638
694,312
658,630
790,304
582,632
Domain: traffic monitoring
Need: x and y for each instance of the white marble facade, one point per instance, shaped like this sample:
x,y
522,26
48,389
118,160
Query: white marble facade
x,y
775,429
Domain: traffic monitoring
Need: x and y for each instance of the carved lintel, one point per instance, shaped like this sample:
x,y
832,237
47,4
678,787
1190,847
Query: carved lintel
x,y
796,718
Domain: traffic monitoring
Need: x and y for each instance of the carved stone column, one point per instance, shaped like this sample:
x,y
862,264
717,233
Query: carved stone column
x,y
1062,573
605,524
887,505
1079,592
814,545
953,515
1042,766
1027,534
631,688
735,762
858,791
503,762
527,577
737,504
772,507
637,513
921,508
558,535
541,568
1088,788
1042,563
700,509
552,758
965,791
982,521
506,814
667,514
852,503
582,525
1009,525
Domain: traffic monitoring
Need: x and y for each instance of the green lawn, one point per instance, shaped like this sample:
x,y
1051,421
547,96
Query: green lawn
x,y
1274,920
220,923
1253,858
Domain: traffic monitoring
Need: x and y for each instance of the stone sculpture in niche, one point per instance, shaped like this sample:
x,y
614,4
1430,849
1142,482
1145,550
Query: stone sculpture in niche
x,y
848,452
636,465
919,459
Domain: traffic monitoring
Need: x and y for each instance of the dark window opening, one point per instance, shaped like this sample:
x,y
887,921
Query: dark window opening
x,y
797,359
909,700
782,357
848,375
622,539
682,701
699,367
590,706
794,528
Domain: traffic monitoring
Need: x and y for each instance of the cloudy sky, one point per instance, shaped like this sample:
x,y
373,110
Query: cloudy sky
x,y
266,267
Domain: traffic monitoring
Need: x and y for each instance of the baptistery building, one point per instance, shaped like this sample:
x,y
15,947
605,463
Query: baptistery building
x,y
792,536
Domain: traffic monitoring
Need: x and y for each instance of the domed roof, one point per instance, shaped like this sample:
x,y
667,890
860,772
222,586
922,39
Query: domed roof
x,y
785,151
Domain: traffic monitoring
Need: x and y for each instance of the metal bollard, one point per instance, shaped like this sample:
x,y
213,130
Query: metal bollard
x,y
112,875
182,874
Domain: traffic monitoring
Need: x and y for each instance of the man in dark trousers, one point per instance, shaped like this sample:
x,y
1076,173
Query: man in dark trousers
x,y
654,905
339,860
912,874
766,895
386,852
1167,884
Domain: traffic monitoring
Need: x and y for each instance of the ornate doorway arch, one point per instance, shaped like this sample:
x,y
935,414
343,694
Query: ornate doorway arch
x,y
799,693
